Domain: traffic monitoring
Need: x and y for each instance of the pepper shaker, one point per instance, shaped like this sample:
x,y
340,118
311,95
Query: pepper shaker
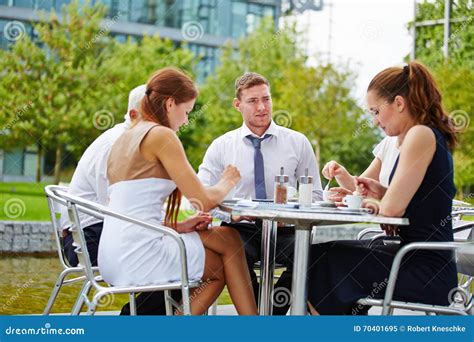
x,y
281,187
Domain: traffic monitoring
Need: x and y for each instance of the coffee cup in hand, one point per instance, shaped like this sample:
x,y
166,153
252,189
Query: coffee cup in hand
x,y
326,196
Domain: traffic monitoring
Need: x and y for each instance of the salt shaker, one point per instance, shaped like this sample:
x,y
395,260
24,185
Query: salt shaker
x,y
305,190
281,187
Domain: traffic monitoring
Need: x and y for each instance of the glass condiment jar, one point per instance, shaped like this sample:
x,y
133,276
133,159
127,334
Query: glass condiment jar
x,y
305,190
281,187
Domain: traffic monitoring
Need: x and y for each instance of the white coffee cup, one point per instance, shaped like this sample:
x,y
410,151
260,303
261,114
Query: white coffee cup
x,y
326,195
353,201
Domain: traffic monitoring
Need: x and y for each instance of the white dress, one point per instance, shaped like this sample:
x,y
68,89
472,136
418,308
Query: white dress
x,y
133,255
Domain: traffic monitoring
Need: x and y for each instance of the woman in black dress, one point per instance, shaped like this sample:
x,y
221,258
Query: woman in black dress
x,y
406,103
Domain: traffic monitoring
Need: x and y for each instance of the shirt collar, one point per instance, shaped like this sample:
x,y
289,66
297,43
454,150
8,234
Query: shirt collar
x,y
273,129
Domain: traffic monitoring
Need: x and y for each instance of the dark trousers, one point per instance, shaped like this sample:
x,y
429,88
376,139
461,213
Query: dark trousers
x,y
92,234
251,235
151,303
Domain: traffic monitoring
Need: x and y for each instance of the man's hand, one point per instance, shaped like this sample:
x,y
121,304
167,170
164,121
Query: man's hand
x,y
236,218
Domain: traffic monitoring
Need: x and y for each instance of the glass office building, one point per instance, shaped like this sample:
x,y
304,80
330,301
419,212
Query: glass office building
x,y
215,21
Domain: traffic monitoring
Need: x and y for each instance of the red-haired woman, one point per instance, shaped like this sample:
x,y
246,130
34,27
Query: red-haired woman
x,y
146,166
406,104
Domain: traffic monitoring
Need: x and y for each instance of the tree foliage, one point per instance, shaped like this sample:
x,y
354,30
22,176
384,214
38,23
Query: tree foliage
x,y
455,75
64,89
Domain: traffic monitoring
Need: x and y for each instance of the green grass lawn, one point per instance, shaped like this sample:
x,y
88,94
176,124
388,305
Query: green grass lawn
x,y
27,202
23,202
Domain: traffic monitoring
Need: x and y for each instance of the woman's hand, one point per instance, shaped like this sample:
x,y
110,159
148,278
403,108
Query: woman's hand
x,y
368,187
231,174
338,193
334,169
200,221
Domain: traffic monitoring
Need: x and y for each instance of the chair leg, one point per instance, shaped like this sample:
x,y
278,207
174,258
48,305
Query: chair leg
x,y
84,293
95,302
186,300
213,309
168,305
133,304
55,292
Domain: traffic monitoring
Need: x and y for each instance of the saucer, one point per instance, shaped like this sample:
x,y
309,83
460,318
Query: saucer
x,y
324,204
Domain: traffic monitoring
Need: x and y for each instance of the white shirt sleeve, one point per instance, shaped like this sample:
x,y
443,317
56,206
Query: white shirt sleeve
x,y
380,150
212,166
308,160
101,181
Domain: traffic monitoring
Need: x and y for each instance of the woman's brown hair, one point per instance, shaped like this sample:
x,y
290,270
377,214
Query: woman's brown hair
x,y
416,85
167,83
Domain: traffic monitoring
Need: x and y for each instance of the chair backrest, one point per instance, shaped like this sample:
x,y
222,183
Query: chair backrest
x,y
54,204
463,231
75,204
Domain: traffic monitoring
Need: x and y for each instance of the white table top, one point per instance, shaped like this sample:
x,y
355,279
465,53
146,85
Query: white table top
x,y
314,216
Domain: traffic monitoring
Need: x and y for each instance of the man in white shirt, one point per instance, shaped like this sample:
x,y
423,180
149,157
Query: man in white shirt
x,y
90,180
259,148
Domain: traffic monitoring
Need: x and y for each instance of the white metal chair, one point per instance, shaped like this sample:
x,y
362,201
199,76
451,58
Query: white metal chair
x,y
463,306
463,245
75,204
54,204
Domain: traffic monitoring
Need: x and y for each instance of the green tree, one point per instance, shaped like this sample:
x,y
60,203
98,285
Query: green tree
x,y
55,77
315,100
64,90
455,75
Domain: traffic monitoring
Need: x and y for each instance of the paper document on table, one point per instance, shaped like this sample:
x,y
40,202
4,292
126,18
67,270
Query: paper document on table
x,y
246,203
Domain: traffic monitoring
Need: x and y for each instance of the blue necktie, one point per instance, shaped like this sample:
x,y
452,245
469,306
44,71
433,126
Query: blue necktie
x,y
259,172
